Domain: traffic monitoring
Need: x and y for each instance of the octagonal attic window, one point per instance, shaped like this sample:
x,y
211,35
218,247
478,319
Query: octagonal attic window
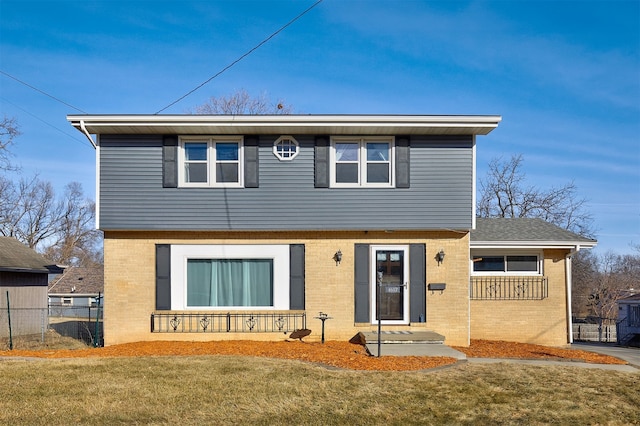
x,y
285,148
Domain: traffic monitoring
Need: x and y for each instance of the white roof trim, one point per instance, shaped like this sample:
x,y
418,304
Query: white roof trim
x,y
530,244
284,124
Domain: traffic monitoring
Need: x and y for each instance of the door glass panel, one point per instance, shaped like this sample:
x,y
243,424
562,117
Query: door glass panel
x,y
390,285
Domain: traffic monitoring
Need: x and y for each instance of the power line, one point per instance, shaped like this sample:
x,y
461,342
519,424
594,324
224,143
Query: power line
x,y
42,91
45,122
241,57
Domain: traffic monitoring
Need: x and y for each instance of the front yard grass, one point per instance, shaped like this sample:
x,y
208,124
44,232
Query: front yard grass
x,y
189,390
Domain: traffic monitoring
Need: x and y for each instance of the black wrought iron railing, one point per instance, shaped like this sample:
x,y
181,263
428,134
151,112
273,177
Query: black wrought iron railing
x,y
509,288
228,322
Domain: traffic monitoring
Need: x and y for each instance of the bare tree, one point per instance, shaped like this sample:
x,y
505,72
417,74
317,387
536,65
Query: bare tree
x,y
8,132
75,241
240,103
600,281
505,193
62,229
28,211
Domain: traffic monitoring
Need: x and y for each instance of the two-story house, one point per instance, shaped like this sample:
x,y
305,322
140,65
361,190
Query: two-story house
x,y
248,227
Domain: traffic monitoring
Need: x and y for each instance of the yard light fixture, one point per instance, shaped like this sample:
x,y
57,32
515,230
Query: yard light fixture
x,y
440,256
338,257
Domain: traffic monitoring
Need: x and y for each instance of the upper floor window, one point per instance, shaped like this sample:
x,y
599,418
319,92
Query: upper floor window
x,y
529,264
285,148
210,161
362,161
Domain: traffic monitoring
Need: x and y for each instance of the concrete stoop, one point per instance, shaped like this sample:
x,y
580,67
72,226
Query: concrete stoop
x,y
407,343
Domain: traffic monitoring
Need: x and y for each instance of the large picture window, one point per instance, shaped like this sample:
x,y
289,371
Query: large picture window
x,y
210,161
362,162
229,282
230,277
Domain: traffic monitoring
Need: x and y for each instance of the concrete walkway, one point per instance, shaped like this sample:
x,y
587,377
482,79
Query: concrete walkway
x,y
426,343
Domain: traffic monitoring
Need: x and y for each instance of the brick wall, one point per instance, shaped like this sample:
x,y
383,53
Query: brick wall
x,y
528,321
130,281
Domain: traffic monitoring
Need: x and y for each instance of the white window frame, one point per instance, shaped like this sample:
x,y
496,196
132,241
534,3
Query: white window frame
x,y
285,155
362,161
373,277
211,161
181,253
505,253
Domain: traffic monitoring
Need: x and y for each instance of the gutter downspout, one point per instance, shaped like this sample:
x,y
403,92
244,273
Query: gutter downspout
x,y
569,279
86,133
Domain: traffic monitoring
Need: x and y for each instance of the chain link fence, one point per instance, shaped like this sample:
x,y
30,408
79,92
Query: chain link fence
x,y
83,323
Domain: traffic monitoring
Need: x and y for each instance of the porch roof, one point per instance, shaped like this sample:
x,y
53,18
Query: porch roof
x,y
524,232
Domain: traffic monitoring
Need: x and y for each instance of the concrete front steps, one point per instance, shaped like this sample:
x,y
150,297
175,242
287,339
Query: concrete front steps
x,y
407,343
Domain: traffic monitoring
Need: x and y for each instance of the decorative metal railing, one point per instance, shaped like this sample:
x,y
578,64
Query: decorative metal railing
x,y
228,322
509,288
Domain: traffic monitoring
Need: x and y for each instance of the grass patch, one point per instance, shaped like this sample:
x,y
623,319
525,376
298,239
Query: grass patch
x,y
254,390
34,342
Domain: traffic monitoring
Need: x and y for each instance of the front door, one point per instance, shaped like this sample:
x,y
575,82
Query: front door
x,y
389,279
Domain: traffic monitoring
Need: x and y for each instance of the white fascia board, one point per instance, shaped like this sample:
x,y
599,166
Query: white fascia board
x,y
531,244
415,124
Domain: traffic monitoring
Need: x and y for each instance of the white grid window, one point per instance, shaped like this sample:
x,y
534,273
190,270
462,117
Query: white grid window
x,y
286,148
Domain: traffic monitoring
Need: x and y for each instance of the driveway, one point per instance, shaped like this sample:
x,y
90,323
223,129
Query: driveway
x,y
629,354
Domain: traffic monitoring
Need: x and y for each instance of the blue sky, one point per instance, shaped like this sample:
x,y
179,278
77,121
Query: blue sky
x,y
564,75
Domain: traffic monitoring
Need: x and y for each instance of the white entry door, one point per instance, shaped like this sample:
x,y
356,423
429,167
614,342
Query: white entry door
x,y
389,284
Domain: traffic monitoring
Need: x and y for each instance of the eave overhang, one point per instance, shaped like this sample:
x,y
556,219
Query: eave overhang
x,y
532,244
287,124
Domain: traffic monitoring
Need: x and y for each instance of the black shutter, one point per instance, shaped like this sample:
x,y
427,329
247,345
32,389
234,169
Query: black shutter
x,y
170,161
251,163
322,162
417,283
402,162
296,276
163,276
362,309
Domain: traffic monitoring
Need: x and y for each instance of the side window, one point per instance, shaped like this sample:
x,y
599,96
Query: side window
x,y
362,162
210,161
521,264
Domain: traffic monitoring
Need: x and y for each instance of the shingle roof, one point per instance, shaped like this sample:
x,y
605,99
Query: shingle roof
x,y
78,281
630,298
17,257
524,231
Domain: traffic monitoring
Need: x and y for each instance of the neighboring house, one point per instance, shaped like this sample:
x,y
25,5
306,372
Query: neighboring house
x,y
237,227
628,324
75,291
23,277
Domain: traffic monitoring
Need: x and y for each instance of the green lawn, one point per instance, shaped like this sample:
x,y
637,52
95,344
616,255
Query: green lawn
x,y
246,390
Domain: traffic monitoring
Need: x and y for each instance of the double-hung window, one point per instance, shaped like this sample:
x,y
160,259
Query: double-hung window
x,y
362,161
211,161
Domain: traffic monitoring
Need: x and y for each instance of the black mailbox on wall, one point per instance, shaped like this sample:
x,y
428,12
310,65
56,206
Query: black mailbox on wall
x,y
437,286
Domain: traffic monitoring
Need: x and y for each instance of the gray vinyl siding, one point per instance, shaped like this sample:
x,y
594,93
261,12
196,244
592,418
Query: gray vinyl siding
x,y
132,196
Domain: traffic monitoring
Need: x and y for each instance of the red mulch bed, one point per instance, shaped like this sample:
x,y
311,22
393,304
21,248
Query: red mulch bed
x,y
338,354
